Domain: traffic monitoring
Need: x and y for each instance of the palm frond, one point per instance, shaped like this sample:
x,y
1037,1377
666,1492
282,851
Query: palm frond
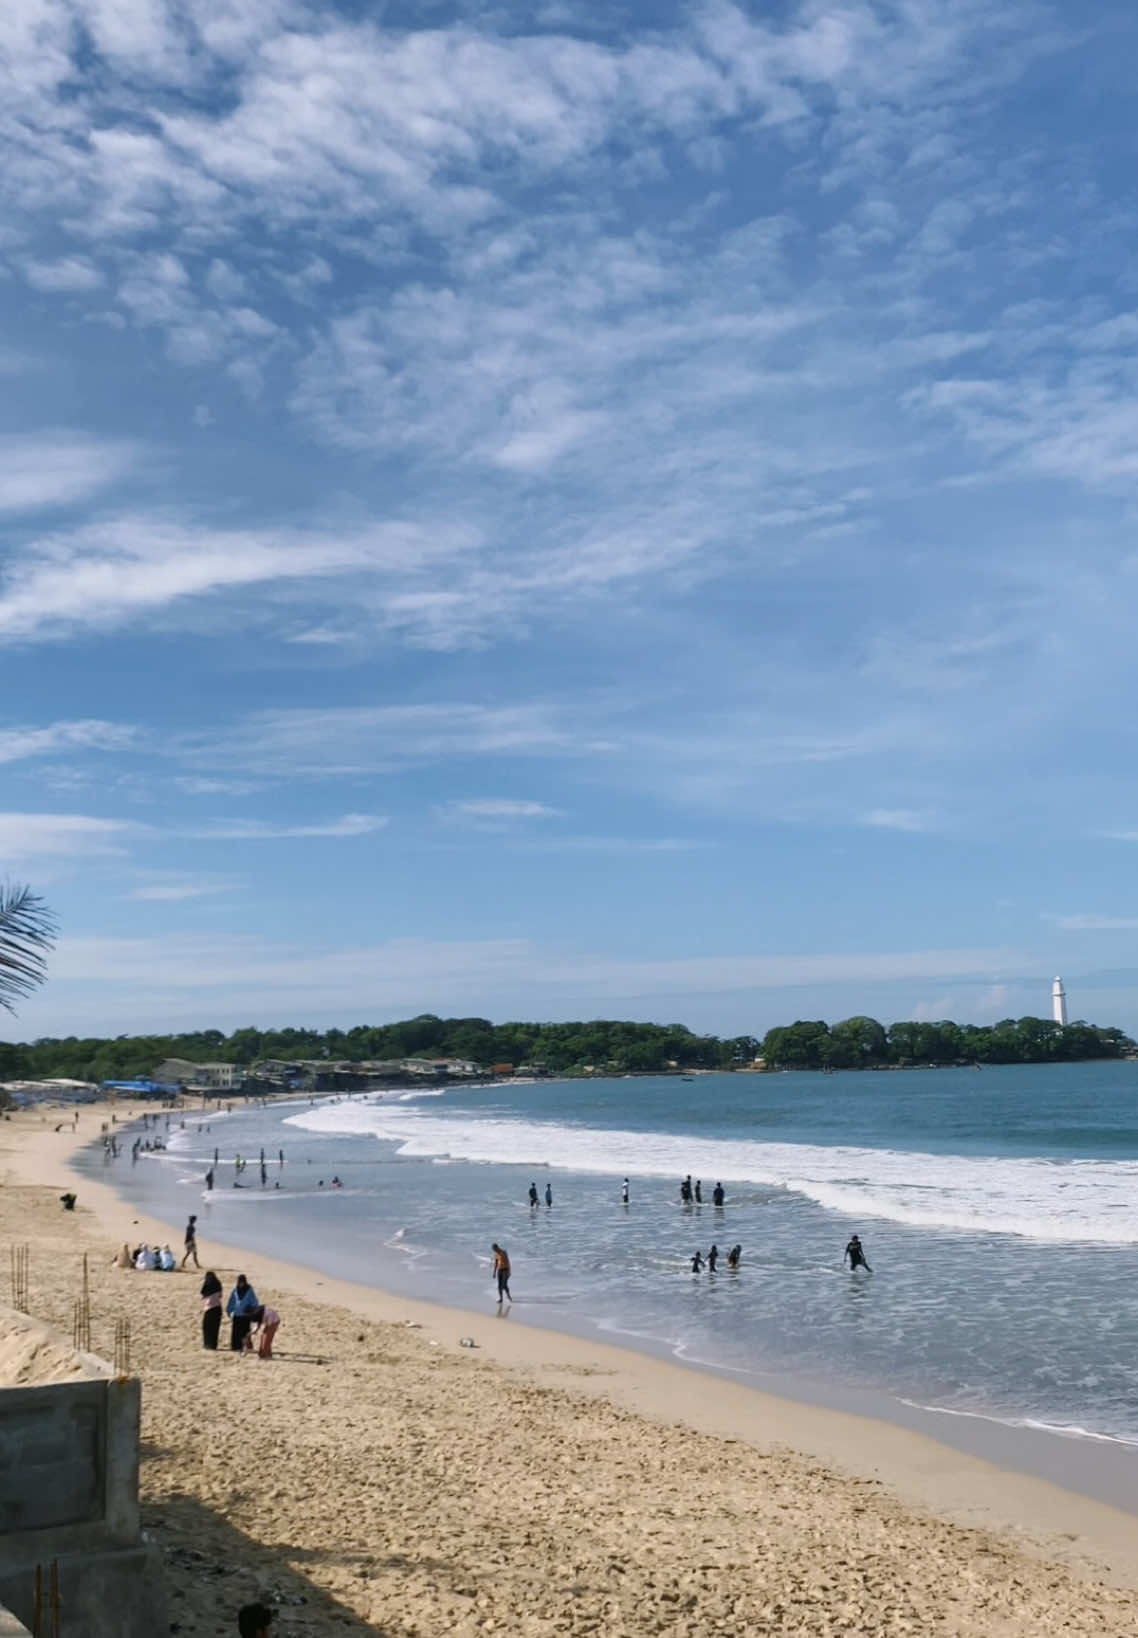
x,y
27,933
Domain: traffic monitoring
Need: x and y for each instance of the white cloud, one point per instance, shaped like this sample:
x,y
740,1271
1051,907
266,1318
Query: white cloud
x,y
1094,924
489,807
895,819
35,835
109,573
191,785
69,274
255,830
57,469
180,890
361,739
80,735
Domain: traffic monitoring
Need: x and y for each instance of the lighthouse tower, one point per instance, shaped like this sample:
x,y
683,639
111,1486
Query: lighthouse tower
x,y
1058,1002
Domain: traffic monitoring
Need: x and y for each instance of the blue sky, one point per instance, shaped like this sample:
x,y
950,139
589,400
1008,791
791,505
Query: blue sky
x,y
570,510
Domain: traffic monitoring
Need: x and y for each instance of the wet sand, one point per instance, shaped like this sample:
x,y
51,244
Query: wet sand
x,y
377,1476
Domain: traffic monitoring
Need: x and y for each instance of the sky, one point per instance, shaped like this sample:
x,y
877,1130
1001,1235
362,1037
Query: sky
x,y
570,510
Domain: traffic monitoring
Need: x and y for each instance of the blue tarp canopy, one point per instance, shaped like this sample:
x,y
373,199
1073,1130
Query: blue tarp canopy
x,y
145,1089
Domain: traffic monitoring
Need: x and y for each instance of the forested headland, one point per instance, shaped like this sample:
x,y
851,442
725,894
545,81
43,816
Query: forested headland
x,y
599,1046
863,1043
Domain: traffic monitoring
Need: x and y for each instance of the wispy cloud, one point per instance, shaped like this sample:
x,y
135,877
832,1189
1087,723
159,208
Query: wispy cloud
x,y
361,739
492,807
42,471
107,574
181,889
907,819
257,830
16,744
223,976
36,835
1088,923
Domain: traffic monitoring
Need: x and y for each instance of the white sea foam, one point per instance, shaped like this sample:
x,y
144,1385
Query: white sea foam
x,y
1063,1430
1077,1201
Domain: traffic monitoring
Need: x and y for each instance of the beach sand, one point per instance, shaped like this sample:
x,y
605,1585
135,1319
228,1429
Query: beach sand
x,y
378,1477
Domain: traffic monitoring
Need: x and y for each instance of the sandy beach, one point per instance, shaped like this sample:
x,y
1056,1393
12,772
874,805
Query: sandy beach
x,y
377,1476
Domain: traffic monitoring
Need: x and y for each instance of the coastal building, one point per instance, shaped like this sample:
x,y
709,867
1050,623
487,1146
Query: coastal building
x,y
210,1077
440,1066
1058,1002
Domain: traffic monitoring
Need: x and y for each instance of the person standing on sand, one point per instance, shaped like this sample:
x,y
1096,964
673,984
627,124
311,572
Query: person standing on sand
x,y
191,1243
240,1307
211,1310
502,1270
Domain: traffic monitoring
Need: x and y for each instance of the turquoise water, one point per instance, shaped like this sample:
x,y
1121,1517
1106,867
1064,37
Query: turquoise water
x,y
999,1209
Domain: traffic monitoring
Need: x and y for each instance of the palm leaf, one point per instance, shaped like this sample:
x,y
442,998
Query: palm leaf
x,y
27,933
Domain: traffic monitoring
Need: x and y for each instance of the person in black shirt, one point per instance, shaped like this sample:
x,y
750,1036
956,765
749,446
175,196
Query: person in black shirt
x,y
855,1252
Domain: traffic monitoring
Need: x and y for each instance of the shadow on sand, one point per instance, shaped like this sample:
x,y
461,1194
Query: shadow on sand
x,y
212,1568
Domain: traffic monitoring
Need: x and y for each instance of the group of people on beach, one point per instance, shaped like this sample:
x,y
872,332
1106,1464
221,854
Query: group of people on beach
x,y
249,1319
711,1261
146,1259
692,1193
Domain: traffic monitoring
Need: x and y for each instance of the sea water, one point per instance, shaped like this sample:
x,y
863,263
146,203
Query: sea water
x,y
999,1211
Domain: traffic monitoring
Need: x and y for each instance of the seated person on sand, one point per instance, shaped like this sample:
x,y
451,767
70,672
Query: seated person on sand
x,y
146,1261
166,1260
67,1201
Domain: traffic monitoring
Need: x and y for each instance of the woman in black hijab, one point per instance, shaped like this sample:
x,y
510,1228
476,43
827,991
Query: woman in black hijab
x,y
211,1310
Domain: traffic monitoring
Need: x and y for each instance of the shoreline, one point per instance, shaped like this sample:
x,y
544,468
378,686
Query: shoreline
x,y
1040,1515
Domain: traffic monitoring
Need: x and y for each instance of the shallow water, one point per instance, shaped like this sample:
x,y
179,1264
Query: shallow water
x,y
999,1210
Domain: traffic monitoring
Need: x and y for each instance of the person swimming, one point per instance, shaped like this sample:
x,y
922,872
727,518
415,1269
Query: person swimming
x,y
733,1256
855,1252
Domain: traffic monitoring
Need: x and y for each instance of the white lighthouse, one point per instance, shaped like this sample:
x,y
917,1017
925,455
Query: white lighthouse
x,y
1058,1002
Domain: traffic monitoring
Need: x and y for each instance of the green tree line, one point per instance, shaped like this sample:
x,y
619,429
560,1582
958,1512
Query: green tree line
x,y
862,1043
617,1046
614,1045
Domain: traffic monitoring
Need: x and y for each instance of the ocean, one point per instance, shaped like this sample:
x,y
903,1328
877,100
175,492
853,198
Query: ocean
x,y
999,1210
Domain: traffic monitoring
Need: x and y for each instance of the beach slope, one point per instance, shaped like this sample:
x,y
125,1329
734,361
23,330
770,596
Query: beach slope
x,y
379,1477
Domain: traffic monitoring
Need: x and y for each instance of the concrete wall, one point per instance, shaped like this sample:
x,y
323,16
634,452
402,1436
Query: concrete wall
x,y
69,1494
